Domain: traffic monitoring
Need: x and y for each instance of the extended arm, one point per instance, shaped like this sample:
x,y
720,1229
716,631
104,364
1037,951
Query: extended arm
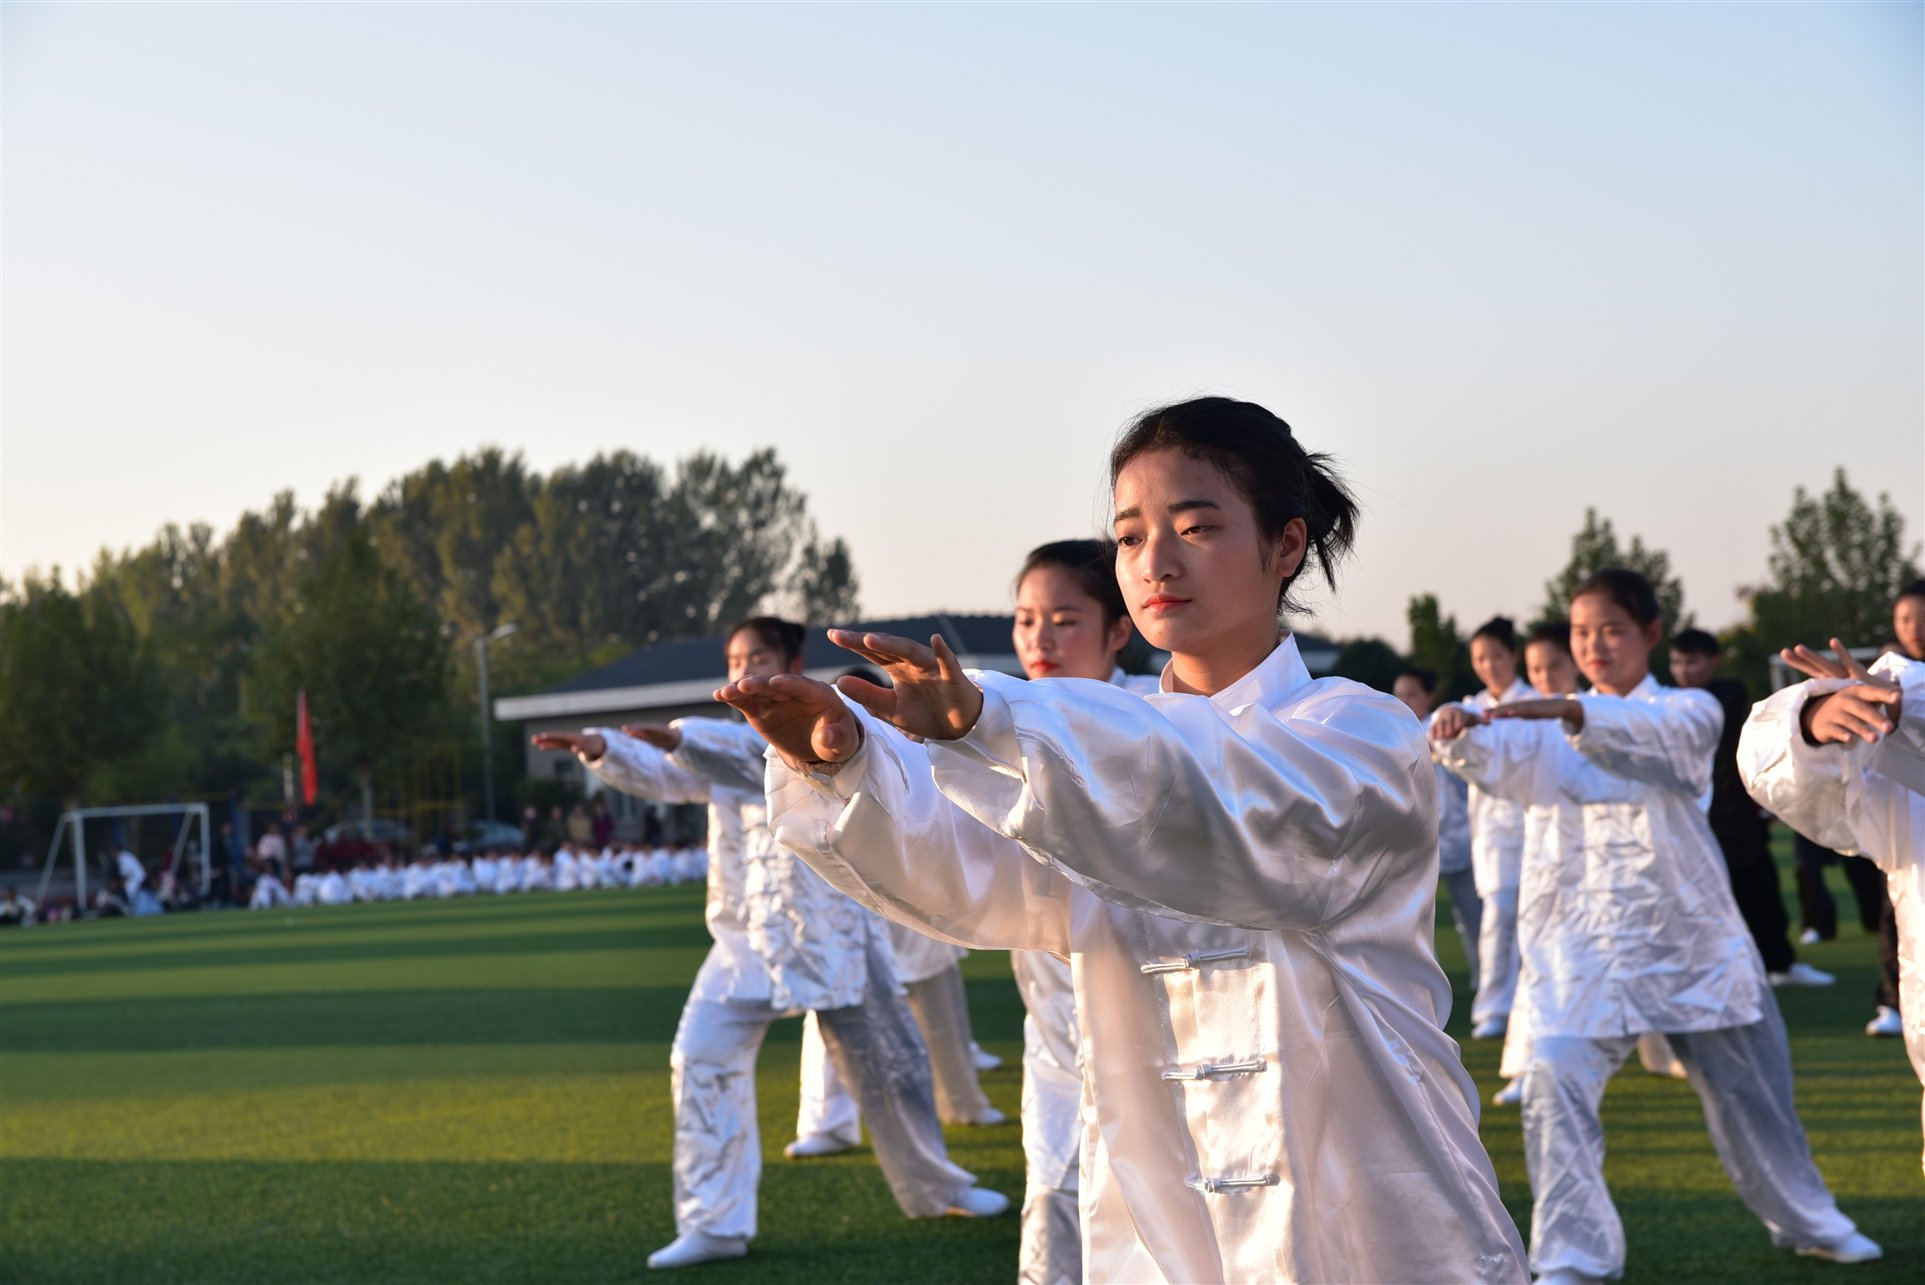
x,y
880,831
1668,743
1180,806
635,767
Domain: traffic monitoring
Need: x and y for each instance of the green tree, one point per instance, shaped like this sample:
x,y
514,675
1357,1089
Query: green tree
x,y
1436,645
80,696
1836,566
1595,547
371,656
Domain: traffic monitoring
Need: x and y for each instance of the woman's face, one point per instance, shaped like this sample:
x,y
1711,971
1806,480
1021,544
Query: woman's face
x,y
750,655
1198,576
1550,669
1908,625
1612,648
1494,664
1060,631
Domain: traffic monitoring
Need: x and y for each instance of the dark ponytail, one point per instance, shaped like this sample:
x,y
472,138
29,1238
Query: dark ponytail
x,y
1627,588
1499,630
785,636
1091,563
1257,453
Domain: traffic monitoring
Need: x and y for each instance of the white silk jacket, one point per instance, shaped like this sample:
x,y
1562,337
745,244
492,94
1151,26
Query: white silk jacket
x,y
1625,918
1244,886
1496,824
1857,798
783,937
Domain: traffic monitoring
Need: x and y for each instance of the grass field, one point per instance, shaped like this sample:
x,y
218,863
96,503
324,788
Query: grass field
x,y
478,1091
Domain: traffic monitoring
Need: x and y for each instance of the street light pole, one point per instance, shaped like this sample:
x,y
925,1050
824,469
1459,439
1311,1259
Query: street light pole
x,y
487,728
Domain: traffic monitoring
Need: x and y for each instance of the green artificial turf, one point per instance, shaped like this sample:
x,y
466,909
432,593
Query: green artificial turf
x,y
478,1091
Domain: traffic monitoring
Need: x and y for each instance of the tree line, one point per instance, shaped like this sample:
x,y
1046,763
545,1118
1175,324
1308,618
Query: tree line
x,y
1835,566
169,672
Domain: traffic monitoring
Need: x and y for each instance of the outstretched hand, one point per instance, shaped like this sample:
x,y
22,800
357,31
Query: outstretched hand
x,y
1452,721
1840,664
805,720
1861,712
590,745
1570,711
661,736
932,697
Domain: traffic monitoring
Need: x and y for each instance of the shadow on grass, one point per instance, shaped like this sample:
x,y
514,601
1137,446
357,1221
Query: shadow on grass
x,y
330,1222
500,1015
676,936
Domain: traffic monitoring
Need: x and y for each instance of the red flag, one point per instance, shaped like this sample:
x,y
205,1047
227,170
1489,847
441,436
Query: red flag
x,y
304,746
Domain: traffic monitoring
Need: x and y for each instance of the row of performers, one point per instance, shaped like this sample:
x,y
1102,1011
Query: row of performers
x,y
1219,888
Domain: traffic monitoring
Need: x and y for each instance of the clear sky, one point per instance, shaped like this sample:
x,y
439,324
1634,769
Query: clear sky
x,y
1506,261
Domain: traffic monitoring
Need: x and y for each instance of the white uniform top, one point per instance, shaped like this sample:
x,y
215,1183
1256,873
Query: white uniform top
x,y
1453,820
1626,919
1858,798
132,873
1268,1091
783,937
1496,825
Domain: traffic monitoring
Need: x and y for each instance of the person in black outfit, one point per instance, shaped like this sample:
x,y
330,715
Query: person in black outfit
x,y
1735,820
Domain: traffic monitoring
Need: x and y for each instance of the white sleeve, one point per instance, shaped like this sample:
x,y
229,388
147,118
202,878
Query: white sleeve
x,y
721,752
1669,743
1901,756
1828,793
1501,758
638,768
1184,808
880,832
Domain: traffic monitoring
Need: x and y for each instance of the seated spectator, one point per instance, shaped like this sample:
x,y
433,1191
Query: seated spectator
x,y
16,911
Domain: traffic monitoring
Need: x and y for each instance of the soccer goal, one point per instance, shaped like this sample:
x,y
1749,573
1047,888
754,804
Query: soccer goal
x,y
72,829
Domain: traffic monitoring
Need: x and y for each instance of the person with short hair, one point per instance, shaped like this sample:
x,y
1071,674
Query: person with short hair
x,y
1497,839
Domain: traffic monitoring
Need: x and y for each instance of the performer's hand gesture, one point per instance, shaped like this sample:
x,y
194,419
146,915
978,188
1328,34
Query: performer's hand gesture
x,y
1557,707
1865,711
805,720
589,745
932,697
662,737
1452,721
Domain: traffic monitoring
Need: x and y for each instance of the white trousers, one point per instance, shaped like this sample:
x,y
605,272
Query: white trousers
x,y
1743,1077
824,1103
875,1049
1051,1251
1497,957
941,1008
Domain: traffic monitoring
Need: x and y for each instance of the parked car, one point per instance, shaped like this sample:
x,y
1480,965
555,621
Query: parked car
x,y
354,843
483,835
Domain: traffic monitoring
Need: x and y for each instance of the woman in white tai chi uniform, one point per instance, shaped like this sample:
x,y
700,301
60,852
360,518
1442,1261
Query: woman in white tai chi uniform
x,y
1841,760
1630,925
1241,870
1497,840
785,943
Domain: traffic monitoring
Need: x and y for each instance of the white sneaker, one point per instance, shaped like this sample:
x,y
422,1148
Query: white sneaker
x,y
1810,937
1887,1025
1801,975
1490,1029
698,1247
816,1144
1568,1276
1855,1248
984,1060
991,1115
979,1202
1511,1095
